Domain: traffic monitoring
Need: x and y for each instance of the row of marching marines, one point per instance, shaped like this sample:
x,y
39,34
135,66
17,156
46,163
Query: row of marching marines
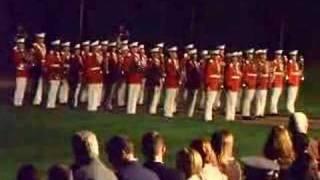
x,y
120,74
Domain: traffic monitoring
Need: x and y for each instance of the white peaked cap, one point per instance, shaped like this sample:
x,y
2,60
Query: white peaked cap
x,y
105,42
55,42
77,46
215,52
301,122
161,45
264,51
113,43
193,51
189,46
222,46
141,46
279,51
134,44
260,163
20,40
125,48
234,54
294,53
173,48
239,53
95,43
250,51
125,42
91,142
258,51
41,35
66,44
85,43
154,50
204,52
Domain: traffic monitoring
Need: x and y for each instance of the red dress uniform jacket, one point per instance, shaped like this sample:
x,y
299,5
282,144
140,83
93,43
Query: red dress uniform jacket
x,y
134,69
54,65
263,75
250,75
40,52
92,66
293,73
233,77
212,75
278,73
20,62
172,73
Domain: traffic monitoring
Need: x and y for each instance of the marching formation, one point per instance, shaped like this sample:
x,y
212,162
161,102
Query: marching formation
x,y
106,75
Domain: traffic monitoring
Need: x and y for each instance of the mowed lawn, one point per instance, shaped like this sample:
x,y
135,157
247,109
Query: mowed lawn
x,y
42,137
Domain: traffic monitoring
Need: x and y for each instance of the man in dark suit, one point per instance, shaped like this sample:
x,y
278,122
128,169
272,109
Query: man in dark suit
x,y
120,151
154,149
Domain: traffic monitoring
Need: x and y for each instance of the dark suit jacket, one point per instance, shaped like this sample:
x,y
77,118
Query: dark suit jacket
x,y
164,172
135,171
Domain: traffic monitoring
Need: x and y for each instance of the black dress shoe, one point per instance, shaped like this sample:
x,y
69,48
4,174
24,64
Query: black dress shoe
x,y
247,118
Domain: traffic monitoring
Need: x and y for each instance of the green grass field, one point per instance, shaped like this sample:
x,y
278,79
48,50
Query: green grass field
x,y
34,135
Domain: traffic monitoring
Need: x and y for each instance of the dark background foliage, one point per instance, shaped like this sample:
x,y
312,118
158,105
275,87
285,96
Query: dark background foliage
x,y
238,23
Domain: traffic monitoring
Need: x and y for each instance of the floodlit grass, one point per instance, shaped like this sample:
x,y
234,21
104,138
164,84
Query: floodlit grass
x,y
42,137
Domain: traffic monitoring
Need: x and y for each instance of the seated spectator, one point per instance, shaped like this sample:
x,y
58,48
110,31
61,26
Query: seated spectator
x,y
120,151
59,172
223,143
28,172
87,164
298,124
210,168
154,150
190,163
304,167
279,148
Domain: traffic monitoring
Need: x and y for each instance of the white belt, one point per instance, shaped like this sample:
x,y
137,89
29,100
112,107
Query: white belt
x,y
55,65
214,76
295,74
252,75
94,68
278,73
235,77
265,75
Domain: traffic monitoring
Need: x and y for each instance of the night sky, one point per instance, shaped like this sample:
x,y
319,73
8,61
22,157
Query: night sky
x,y
238,23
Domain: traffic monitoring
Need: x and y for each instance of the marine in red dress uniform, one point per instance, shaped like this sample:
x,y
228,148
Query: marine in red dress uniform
x,y
294,78
54,66
233,83
212,79
22,64
277,78
134,71
172,82
250,81
263,67
94,76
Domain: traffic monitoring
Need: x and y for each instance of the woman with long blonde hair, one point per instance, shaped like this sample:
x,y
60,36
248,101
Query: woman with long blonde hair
x,y
280,149
223,144
190,163
210,170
